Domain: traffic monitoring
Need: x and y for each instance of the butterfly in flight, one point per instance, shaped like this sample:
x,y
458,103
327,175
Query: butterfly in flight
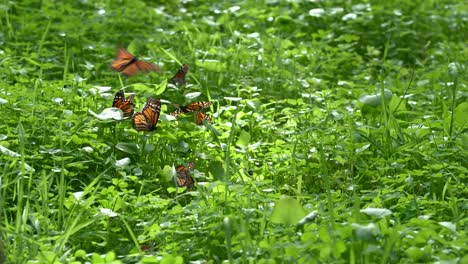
x,y
183,175
128,65
147,119
200,116
192,107
124,104
179,77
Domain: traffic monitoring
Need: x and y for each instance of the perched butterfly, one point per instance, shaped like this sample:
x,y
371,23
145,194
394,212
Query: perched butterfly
x,y
200,116
183,175
192,107
179,77
128,65
124,104
147,119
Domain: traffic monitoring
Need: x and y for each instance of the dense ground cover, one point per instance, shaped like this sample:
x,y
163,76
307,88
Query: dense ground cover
x,y
339,132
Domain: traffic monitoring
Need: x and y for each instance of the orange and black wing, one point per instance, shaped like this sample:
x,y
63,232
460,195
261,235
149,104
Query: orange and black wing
x,y
128,65
124,104
147,119
177,113
179,77
191,165
123,59
194,107
202,116
183,175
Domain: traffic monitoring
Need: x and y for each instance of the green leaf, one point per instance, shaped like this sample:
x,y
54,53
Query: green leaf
x,y
375,100
367,232
169,173
132,46
159,89
192,96
149,259
395,104
287,211
130,148
461,116
449,225
108,114
152,89
169,259
244,139
376,212
212,65
48,257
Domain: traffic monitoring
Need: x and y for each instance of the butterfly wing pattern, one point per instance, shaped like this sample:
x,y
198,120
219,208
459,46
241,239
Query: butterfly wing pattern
x,y
147,119
194,107
177,113
183,175
128,65
200,116
125,104
179,77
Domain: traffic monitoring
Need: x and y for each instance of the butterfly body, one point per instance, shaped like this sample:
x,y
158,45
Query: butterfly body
x,y
147,119
125,104
200,116
183,175
129,65
179,77
194,107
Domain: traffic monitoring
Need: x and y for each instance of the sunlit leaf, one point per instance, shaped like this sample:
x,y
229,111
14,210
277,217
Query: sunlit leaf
x,y
78,195
8,152
211,65
366,232
108,212
316,12
130,148
48,257
160,88
122,162
461,116
308,218
234,99
169,173
376,212
169,259
27,167
191,96
243,139
375,99
287,211
108,114
449,225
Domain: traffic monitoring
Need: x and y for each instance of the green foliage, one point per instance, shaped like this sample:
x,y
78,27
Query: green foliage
x,y
339,132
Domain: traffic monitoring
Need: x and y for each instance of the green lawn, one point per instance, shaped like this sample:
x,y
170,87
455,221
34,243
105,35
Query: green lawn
x,y
338,132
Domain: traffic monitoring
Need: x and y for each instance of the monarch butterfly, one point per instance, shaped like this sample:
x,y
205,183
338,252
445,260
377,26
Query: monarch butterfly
x,y
179,77
147,119
200,116
124,104
128,65
192,107
183,175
